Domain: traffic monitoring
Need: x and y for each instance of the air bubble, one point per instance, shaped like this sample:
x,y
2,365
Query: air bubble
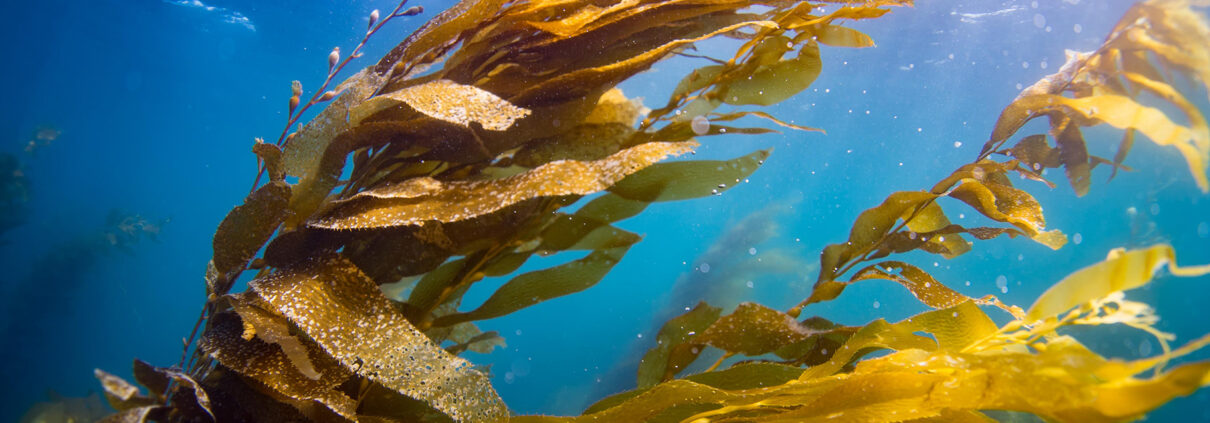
x,y
700,125
1077,239
877,304
705,267
1077,28
752,251
1039,20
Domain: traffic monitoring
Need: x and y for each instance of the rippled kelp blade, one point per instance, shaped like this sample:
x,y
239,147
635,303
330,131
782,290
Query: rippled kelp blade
x,y
331,301
420,200
246,229
268,364
1121,271
753,329
448,101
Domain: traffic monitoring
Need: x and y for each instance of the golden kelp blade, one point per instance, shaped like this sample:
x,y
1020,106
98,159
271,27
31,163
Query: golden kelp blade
x,y
419,200
331,301
1122,270
302,152
950,379
448,101
1105,87
267,364
1121,112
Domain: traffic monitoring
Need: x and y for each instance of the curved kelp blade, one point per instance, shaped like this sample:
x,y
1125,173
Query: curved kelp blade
x,y
344,312
246,229
271,365
1121,271
448,101
419,200
541,285
655,366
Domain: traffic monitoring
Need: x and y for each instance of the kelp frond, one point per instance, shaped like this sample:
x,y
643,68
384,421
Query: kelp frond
x,y
1154,39
962,364
466,140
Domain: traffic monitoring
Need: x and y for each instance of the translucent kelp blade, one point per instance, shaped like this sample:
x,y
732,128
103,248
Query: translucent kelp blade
x,y
653,368
1116,110
246,229
1121,271
753,329
345,313
921,284
541,285
685,180
419,200
1010,205
739,377
122,395
777,82
869,228
448,101
576,232
482,344
584,142
302,152
270,365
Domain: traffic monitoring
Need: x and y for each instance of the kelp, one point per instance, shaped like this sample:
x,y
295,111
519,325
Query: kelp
x,y
1153,42
469,138
965,364
914,220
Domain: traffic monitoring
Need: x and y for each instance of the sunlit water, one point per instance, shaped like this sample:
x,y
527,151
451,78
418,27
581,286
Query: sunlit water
x,y
158,103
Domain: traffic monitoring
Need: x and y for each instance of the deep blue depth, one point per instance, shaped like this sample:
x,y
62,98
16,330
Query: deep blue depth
x,y
158,103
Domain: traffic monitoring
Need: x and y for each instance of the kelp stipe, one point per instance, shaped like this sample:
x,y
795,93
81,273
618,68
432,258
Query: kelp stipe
x,y
469,137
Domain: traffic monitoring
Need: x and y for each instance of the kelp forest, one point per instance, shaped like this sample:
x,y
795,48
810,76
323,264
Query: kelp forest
x,y
496,134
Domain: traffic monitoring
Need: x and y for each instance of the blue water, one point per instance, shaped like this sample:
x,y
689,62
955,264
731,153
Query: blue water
x,y
158,103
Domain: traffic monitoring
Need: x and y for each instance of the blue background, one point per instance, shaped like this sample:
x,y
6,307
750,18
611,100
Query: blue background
x,y
159,102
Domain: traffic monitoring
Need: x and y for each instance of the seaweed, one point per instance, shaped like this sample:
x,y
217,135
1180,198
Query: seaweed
x,y
470,138
965,364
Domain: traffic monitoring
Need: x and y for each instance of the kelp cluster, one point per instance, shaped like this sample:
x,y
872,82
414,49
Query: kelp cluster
x,y
906,221
961,364
469,138
459,173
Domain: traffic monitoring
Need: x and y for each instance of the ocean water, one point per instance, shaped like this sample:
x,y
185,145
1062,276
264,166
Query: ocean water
x,y
153,106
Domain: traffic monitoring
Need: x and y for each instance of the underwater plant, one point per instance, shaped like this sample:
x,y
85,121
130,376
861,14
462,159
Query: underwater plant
x,y
469,139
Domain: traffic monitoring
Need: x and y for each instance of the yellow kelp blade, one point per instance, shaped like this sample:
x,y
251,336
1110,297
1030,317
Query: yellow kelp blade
x,y
1121,271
